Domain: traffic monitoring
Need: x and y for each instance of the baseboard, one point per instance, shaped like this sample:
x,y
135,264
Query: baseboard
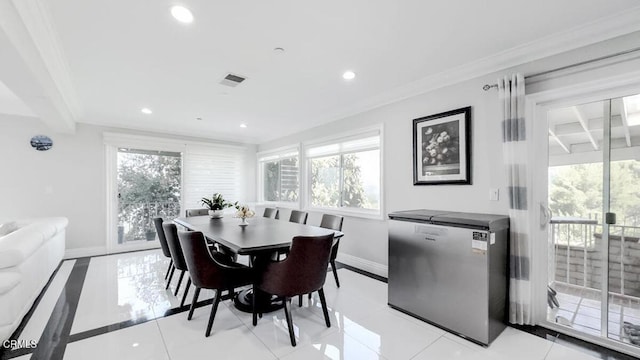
x,y
363,264
84,252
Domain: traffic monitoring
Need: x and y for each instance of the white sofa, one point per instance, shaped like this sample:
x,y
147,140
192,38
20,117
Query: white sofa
x,y
28,258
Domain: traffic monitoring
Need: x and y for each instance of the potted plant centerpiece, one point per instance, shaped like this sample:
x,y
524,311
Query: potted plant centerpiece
x,y
216,205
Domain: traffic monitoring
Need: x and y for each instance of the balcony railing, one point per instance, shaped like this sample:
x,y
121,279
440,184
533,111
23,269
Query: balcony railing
x,y
577,257
135,219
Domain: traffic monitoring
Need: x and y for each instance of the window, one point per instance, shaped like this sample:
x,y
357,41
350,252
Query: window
x,y
279,176
151,176
345,174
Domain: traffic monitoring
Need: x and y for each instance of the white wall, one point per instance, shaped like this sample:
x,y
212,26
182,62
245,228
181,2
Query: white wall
x,y
68,180
365,242
367,239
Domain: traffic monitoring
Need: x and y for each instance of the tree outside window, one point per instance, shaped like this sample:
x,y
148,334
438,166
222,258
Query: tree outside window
x,y
348,180
281,180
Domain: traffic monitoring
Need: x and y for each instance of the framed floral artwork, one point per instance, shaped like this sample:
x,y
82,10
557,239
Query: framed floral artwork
x,y
442,148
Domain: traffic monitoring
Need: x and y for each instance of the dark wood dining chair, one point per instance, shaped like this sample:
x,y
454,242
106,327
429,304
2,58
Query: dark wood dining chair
x,y
165,247
196,212
299,217
333,222
210,270
171,233
302,272
271,213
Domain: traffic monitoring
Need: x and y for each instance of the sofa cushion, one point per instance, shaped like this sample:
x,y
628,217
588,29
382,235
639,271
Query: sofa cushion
x,y
8,280
19,245
7,228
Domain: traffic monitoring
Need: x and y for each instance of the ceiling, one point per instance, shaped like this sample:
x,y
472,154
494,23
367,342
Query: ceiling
x,y
576,133
126,55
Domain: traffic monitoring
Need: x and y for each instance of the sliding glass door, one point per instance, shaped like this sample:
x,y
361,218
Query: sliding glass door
x,y
148,186
594,198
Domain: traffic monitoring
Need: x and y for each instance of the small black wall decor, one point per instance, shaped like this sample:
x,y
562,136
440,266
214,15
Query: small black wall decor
x,y
41,142
442,148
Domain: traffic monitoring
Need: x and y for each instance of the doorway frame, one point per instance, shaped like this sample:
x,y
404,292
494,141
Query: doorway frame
x,y
112,142
537,105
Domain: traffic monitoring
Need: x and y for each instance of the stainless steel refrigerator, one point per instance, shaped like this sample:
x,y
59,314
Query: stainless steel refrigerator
x,y
450,269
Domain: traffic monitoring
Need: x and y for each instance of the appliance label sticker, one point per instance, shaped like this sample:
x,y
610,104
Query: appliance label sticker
x,y
479,242
479,245
493,238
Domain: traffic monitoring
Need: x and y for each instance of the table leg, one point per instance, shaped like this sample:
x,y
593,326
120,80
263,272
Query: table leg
x,y
264,302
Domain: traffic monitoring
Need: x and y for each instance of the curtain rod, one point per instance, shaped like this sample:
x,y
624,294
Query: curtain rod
x,y
487,87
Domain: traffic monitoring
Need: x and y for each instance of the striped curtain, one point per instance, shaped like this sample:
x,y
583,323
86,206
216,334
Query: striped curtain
x,y
515,154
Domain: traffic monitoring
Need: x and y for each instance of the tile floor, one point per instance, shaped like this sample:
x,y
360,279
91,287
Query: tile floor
x,y
129,288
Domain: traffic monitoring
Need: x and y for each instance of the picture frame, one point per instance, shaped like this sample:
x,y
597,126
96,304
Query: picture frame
x,y
442,148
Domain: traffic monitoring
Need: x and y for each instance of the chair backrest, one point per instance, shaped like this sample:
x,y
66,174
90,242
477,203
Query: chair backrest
x,y
271,213
205,272
171,233
196,212
303,271
299,217
332,222
163,240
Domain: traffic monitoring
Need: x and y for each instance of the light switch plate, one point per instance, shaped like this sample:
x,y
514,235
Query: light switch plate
x,y
494,194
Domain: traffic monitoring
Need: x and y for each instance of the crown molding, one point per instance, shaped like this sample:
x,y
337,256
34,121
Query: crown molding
x,y
588,34
33,67
36,19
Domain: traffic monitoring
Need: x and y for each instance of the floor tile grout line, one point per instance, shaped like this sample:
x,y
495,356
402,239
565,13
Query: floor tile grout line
x,y
164,343
426,347
553,343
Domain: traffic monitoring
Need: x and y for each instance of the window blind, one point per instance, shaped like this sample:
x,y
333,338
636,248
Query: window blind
x,y
209,170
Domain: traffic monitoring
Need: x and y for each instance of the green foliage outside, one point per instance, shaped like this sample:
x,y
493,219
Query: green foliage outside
x,y
281,180
576,191
148,186
325,183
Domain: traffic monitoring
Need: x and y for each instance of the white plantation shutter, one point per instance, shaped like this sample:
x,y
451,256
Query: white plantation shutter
x,y
212,169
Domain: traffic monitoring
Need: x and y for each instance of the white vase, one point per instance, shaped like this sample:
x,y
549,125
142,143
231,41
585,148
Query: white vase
x,y
244,221
216,214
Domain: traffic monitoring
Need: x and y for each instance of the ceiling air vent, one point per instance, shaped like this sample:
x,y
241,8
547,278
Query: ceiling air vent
x,y
232,80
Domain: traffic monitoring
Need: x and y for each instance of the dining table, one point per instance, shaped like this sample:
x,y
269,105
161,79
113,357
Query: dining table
x,y
260,238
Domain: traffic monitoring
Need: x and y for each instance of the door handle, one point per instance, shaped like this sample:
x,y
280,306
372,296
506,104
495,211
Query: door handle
x,y
545,216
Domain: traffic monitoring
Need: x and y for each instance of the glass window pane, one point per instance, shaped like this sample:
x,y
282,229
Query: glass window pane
x,y
271,180
362,180
148,186
325,181
289,173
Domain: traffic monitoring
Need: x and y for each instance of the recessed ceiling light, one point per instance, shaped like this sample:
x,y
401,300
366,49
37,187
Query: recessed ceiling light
x,y
243,125
146,111
349,75
182,14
